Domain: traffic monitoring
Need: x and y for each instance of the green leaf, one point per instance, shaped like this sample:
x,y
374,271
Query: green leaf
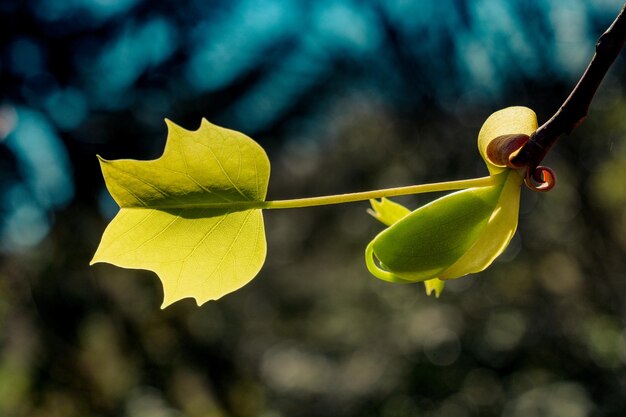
x,y
434,285
388,213
424,244
190,215
458,234
455,235
497,230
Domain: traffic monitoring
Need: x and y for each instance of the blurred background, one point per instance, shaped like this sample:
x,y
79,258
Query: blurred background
x,y
345,95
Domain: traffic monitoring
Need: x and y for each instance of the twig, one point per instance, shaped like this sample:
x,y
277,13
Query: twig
x,y
574,109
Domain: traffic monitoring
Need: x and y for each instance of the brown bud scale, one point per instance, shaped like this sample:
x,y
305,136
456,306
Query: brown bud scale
x,y
503,149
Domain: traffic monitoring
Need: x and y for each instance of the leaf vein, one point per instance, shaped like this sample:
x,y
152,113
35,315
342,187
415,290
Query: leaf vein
x,y
176,217
130,174
219,164
230,247
190,176
129,191
202,240
133,227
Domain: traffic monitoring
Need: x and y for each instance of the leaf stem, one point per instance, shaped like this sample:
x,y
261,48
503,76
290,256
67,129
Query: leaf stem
x,y
339,198
387,192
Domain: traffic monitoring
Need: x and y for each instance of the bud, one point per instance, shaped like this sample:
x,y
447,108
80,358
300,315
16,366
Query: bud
x,y
463,232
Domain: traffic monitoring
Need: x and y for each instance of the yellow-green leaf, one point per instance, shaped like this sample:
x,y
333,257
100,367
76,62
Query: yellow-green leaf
x,y
458,234
189,215
388,213
497,232
508,121
434,285
431,239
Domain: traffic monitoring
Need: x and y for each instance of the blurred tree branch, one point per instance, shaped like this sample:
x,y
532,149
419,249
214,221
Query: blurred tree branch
x,y
574,109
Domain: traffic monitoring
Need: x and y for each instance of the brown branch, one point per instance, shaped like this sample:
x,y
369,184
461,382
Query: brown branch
x,y
574,109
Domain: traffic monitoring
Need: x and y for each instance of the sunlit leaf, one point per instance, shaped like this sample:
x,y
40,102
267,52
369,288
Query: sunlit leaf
x,y
194,217
435,286
169,222
458,234
509,121
388,213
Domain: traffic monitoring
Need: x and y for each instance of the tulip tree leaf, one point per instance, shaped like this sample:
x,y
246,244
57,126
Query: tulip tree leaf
x,y
194,216
388,213
190,215
432,238
458,234
511,120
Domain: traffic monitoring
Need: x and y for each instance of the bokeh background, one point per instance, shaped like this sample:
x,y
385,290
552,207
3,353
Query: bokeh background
x,y
344,95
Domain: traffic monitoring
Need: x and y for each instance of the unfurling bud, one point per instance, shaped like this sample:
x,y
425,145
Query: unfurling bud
x,y
503,149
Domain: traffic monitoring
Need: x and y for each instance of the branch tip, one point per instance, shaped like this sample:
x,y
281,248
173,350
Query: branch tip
x,y
574,109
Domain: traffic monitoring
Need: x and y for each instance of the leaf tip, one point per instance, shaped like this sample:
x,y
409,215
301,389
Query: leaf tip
x,y
386,211
373,211
101,159
173,127
170,125
169,300
200,302
434,285
97,257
